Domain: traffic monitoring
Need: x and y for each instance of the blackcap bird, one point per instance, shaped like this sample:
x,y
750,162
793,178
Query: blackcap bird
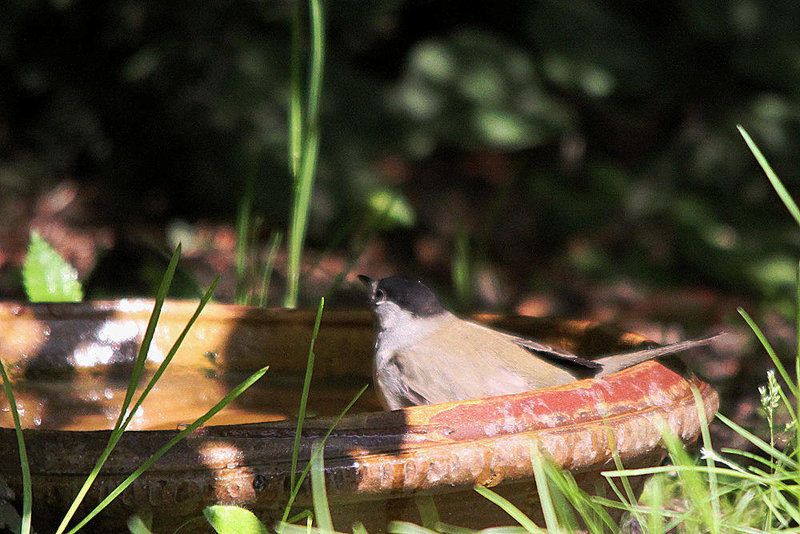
x,y
425,355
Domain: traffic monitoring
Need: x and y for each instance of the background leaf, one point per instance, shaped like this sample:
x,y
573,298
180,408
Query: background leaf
x,y
233,520
47,276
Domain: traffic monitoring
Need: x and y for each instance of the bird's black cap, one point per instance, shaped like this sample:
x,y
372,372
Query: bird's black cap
x,y
411,295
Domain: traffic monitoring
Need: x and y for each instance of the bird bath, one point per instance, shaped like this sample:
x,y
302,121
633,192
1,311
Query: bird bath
x,y
69,365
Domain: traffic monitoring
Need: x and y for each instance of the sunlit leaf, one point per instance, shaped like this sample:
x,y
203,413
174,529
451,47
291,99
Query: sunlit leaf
x,y
233,520
47,276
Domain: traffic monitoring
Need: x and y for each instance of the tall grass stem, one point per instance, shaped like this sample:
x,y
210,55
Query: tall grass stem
x,y
296,488
301,416
784,195
304,144
133,383
227,399
27,492
272,253
243,224
319,495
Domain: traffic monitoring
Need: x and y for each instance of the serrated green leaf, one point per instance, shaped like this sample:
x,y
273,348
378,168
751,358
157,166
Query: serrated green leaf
x,y
233,520
47,276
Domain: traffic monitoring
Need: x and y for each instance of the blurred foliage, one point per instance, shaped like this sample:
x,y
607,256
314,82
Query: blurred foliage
x,y
613,124
47,276
473,88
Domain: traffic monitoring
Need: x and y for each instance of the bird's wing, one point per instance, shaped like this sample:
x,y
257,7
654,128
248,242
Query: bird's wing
x,y
555,354
448,368
617,362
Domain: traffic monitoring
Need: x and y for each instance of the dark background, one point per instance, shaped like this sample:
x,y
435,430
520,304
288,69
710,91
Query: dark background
x,y
581,158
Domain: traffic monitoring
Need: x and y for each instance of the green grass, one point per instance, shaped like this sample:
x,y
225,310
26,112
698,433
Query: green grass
x,y
304,395
296,488
315,464
722,491
27,495
127,412
303,140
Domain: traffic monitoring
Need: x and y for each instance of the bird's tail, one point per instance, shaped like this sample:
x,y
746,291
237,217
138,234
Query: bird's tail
x,y
618,362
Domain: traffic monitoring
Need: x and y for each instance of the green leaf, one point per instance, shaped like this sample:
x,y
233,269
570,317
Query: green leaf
x,y
390,210
233,519
47,276
138,525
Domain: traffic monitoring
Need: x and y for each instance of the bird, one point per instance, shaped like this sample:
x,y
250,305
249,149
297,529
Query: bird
x,y
424,354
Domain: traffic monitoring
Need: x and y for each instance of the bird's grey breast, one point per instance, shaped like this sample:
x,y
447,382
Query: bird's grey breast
x,y
397,336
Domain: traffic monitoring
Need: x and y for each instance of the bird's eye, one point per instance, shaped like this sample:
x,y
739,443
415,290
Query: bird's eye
x,y
380,295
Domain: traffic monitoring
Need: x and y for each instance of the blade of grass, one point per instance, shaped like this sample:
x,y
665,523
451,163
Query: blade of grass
x,y
784,195
427,510
227,399
305,169
504,530
295,93
669,469
133,382
590,511
761,444
172,351
784,506
612,442
629,498
272,247
797,364
301,416
545,499
446,528
655,522
319,495
296,488
141,358
706,434
296,134
692,483
770,351
27,494
315,71
791,206
404,527
509,508
243,220
305,514
288,528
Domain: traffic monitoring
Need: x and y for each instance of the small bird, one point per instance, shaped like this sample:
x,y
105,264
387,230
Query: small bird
x,y
425,355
